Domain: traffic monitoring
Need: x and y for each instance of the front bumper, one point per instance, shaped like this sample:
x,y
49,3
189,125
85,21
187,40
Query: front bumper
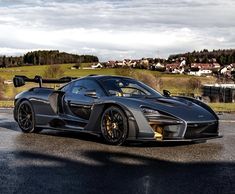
x,y
203,139
166,128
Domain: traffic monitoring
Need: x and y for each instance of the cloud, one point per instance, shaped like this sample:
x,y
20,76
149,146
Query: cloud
x,y
117,28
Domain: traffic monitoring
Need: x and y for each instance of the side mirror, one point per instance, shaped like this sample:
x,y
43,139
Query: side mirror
x,y
91,93
18,81
166,93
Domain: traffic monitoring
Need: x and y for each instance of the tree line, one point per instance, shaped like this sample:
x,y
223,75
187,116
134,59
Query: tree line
x,y
46,57
221,56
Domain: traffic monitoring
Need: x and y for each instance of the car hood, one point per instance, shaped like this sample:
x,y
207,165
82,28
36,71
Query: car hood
x,y
174,106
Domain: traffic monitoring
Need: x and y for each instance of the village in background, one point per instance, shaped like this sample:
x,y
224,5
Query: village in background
x,y
220,63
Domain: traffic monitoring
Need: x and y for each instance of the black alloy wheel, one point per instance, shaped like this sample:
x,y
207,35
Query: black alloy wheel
x,y
25,117
114,127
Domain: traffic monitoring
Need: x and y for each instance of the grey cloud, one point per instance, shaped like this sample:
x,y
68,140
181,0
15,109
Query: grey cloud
x,y
212,22
123,14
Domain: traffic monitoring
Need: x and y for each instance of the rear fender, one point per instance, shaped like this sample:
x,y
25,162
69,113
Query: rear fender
x,y
17,103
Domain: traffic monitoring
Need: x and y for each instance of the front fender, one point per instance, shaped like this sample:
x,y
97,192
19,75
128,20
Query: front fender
x,y
200,103
97,111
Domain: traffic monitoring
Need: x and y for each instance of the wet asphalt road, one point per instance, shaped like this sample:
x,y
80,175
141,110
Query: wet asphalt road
x,y
64,162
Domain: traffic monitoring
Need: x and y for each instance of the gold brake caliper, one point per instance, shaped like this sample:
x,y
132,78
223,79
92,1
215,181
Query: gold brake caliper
x,y
108,124
158,133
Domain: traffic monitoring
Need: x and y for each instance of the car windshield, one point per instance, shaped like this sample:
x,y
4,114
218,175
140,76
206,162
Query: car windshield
x,y
127,87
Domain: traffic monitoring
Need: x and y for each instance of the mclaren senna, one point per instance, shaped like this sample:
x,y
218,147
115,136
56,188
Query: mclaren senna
x,y
116,108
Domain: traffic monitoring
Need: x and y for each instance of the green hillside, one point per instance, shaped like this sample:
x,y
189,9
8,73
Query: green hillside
x,y
174,83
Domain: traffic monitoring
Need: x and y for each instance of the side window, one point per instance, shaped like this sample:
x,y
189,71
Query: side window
x,y
78,87
92,85
81,86
72,87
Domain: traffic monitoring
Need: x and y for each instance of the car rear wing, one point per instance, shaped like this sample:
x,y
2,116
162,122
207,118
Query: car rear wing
x,y
20,80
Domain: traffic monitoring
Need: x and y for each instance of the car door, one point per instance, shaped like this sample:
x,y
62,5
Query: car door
x,y
79,99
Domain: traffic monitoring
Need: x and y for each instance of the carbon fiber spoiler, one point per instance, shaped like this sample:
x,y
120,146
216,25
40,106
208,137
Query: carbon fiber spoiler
x,y
19,80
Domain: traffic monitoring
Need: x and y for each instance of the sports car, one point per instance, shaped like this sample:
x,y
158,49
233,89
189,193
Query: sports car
x,y
116,108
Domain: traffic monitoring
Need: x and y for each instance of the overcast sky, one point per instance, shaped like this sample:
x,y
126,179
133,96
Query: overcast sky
x,y
116,29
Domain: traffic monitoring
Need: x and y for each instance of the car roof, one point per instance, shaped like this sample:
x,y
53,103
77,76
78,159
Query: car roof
x,y
96,77
101,77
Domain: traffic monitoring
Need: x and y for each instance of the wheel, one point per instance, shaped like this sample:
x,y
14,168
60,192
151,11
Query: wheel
x,y
114,128
26,118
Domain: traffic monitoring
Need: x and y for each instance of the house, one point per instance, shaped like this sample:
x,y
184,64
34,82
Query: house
x,y
119,64
144,63
8,82
226,69
199,72
110,64
202,66
173,67
206,66
200,69
127,62
98,65
216,66
176,67
179,70
158,67
134,63
223,70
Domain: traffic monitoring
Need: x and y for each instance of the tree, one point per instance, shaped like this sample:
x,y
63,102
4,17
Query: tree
x,y
205,59
4,64
1,87
194,85
222,60
189,59
53,71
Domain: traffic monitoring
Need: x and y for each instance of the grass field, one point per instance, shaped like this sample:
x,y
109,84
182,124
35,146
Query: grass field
x,y
31,71
7,104
223,107
174,83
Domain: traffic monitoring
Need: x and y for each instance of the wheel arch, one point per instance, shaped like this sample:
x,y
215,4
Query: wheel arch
x,y
98,109
16,106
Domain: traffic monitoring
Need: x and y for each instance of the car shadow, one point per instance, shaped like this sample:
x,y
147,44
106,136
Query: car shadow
x,y
72,134
7,124
95,171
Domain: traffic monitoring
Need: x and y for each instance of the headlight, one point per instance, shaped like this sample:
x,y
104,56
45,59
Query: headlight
x,y
148,111
154,116
163,124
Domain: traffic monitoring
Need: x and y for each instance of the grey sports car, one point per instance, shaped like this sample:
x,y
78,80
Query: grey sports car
x,y
114,107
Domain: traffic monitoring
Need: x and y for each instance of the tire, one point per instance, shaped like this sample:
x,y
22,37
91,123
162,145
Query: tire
x,y
26,117
114,126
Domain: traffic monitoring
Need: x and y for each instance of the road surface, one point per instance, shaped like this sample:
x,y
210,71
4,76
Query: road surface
x,y
66,162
